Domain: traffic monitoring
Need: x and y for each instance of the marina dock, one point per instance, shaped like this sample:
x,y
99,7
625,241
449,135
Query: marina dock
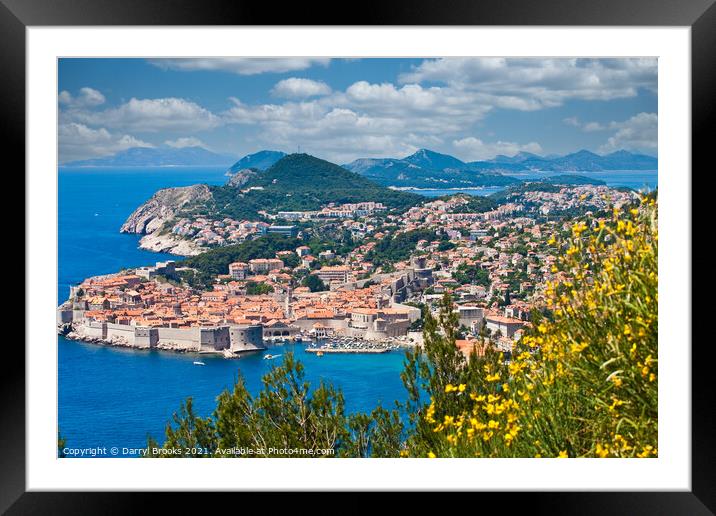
x,y
347,350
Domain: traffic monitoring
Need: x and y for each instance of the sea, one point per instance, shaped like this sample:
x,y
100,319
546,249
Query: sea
x,y
115,397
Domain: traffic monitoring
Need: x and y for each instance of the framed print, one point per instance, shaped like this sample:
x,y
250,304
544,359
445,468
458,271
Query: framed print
x,y
434,249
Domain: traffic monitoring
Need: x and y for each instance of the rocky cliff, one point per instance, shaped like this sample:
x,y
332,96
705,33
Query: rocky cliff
x,y
162,207
168,243
149,218
241,177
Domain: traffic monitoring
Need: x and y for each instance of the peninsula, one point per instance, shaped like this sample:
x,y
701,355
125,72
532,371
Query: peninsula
x,y
351,260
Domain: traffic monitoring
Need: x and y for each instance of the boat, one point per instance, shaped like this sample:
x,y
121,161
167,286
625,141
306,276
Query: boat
x,y
319,353
271,357
197,362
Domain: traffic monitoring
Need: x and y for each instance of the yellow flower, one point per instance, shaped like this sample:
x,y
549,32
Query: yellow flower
x,y
578,348
646,451
461,387
431,455
601,451
492,377
450,388
562,454
616,403
578,228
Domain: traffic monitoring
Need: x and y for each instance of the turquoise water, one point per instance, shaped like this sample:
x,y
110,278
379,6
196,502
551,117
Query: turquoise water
x,y
117,397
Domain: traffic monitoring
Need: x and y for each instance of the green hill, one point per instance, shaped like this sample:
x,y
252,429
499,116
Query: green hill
x,y
299,182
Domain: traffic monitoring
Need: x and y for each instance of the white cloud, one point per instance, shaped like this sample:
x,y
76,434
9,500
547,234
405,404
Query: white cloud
x,y
186,141
639,133
587,127
321,128
413,99
474,149
151,115
87,97
77,141
591,127
294,88
371,120
64,97
535,83
241,65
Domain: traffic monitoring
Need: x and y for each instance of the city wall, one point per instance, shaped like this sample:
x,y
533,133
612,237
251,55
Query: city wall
x,y
207,339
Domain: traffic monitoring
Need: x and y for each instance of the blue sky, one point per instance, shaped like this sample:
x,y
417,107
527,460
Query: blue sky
x,y
343,109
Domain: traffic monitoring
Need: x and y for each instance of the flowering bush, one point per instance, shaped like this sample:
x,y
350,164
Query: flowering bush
x,y
583,381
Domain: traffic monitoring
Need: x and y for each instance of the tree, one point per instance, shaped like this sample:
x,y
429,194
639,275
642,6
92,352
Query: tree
x,y
61,443
253,288
286,419
314,283
472,274
285,416
429,372
291,261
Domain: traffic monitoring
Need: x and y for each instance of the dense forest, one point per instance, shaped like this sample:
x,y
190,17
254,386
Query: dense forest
x,y
399,247
474,204
216,261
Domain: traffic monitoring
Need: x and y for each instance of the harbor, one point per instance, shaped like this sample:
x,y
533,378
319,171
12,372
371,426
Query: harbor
x,y
350,345
347,350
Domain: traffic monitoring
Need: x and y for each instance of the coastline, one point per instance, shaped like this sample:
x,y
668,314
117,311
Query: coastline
x,y
166,347
168,243
81,332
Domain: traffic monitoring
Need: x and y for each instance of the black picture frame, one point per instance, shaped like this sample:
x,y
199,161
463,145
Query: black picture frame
x,y
700,15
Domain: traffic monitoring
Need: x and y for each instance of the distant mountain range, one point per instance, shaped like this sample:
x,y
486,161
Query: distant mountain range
x,y
580,161
423,169
163,156
427,168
